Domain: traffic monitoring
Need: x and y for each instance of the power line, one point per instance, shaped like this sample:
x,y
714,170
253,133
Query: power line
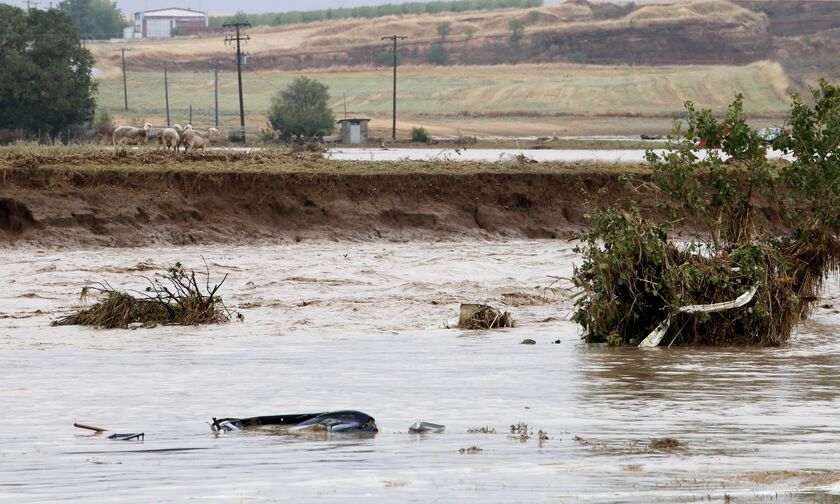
x,y
239,38
394,113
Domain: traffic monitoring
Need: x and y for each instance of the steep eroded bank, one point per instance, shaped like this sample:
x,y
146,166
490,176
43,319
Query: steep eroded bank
x,y
144,199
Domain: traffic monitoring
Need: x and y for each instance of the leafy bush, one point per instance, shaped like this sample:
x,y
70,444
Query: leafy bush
x,y
103,120
633,278
517,28
302,109
438,55
420,135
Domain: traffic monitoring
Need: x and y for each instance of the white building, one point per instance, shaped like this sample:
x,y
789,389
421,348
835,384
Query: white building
x,y
161,23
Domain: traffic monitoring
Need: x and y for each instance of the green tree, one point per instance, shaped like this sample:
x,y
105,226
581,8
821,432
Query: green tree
x,y
444,29
302,109
517,28
96,19
45,81
438,54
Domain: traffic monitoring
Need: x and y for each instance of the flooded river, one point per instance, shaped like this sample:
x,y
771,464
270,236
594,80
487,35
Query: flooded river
x,y
362,326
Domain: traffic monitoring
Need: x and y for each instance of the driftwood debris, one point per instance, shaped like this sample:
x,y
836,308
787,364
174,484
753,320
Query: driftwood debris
x,y
480,316
172,298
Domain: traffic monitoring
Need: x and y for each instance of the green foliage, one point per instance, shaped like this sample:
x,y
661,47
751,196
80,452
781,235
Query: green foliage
x,y
45,81
517,28
375,11
102,119
444,29
438,55
302,109
96,19
633,278
420,134
716,187
238,17
470,31
813,139
579,57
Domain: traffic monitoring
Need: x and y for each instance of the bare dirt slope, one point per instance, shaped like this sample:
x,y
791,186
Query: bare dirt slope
x,y
145,199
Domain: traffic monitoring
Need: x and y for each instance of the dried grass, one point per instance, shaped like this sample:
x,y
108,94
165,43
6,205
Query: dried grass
x,y
172,298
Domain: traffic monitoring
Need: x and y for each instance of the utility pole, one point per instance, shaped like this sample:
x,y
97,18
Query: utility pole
x,y
166,92
125,85
238,38
30,4
216,88
394,114
190,113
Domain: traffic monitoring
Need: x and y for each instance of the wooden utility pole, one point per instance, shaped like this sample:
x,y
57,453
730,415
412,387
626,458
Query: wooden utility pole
x,y
238,38
166,92
216,88
394,112
125,85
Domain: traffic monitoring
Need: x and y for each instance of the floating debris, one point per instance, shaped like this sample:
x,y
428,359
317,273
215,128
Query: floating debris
x,y
420,427
479,316
481,430
665,444
472,450
172,298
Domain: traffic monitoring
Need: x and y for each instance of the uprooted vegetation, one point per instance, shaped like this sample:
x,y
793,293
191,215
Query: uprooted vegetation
x,y
172,298
635,280
483,317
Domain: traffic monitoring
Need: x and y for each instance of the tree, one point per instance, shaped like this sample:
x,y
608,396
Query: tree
x,y
438,54
444,29
636,282
96,19
302,109
45,83
517,28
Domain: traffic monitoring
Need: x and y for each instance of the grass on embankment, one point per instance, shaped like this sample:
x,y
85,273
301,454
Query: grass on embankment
x,y
91,158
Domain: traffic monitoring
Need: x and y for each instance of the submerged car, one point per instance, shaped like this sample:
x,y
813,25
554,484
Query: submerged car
x,y
334,421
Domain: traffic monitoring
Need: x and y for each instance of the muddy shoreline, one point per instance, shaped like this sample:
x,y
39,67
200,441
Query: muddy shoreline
x,y
66,206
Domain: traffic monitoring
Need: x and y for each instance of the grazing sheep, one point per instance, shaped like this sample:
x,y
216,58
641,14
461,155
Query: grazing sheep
x,y
193,139
156,136
129,135
170,139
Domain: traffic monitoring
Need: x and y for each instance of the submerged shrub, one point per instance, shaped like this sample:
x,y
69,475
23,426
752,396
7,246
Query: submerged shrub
x,y
633,278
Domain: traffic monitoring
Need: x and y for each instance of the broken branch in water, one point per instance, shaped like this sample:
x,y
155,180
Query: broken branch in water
x,y
173,298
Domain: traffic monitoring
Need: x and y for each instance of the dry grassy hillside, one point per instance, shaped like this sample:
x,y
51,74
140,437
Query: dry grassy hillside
x,y
478,37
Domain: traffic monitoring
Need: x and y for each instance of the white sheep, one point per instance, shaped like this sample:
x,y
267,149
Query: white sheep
x,y
194,139
170,138
129,135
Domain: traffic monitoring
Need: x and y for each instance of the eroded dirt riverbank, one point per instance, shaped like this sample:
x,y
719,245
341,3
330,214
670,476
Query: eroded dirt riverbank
x,y
361,325
149,198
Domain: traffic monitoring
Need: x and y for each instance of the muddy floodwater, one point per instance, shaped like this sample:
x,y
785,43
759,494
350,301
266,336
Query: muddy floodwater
x,y
341,325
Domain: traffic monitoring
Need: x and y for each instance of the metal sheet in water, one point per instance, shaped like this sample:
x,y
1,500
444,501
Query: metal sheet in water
x,y
362,326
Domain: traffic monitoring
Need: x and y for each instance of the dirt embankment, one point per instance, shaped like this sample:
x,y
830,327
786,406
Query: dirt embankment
x,y
126,204
117,208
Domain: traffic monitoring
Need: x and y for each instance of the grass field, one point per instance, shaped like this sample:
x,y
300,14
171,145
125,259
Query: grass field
x,y
536,99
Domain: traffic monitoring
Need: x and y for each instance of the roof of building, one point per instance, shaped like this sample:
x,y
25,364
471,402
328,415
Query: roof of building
x,y
353,119
174,12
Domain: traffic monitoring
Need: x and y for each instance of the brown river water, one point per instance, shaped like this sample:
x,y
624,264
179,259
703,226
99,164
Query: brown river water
x,y
343,325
